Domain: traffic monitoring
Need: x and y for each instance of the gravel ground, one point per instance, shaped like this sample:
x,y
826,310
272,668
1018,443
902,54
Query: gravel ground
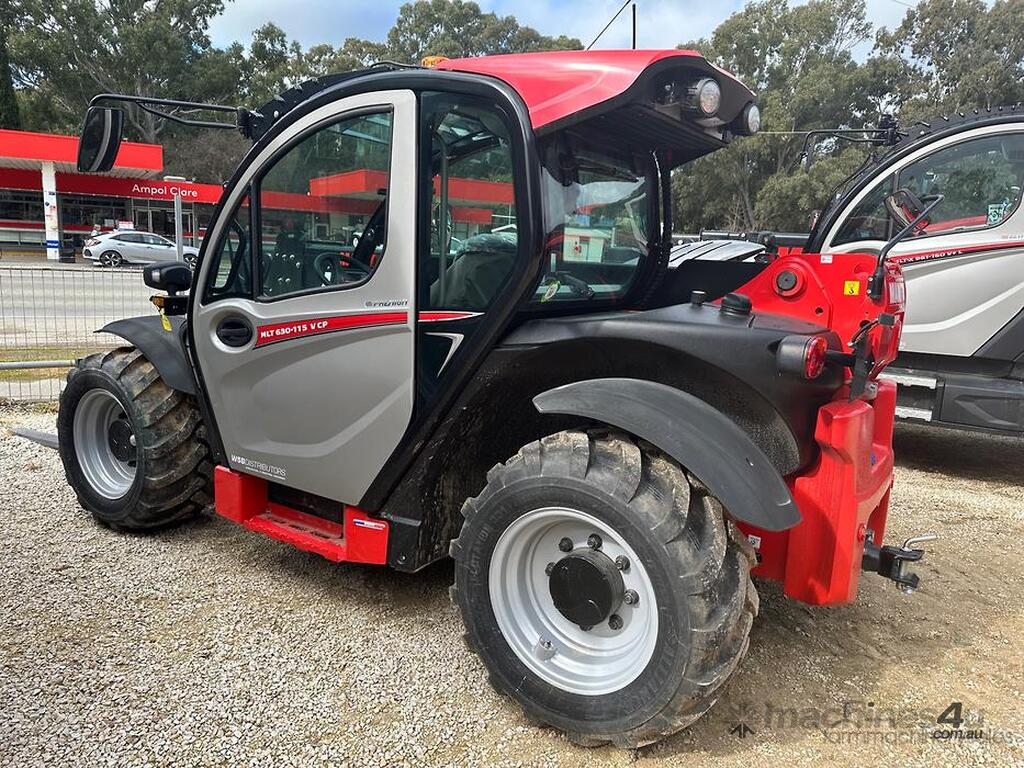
x,y
209,645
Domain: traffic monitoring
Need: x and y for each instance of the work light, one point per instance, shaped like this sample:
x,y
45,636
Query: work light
x,y
705,96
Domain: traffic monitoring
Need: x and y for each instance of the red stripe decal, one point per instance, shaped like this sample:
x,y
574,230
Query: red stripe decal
x,y
440,316
948,253
275,332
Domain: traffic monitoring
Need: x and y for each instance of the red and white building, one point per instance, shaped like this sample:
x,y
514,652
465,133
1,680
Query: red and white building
x,y
46,203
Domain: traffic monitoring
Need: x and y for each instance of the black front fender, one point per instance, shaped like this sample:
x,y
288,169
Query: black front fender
x,y
699,437
164,349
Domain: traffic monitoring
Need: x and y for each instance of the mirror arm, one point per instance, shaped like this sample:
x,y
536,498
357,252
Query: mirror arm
x,y
877,281
243,117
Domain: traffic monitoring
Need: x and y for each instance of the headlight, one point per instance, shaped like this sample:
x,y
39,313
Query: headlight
x,y
706,96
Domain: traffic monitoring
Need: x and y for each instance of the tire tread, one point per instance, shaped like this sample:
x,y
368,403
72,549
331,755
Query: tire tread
x,y
692,527
178,472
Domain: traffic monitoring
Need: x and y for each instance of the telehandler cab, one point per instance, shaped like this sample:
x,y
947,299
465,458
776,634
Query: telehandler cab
x,y
432,314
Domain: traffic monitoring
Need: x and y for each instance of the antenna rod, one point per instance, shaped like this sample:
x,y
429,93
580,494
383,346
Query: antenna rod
x,y
634,26
613,18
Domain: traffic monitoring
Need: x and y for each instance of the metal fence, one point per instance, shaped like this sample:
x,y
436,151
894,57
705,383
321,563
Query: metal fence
x,y
48,318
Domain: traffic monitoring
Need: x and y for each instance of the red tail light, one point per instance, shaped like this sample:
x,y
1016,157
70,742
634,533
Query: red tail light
x,y
814,356
803,355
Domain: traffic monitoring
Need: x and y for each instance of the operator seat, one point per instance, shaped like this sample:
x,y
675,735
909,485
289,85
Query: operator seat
x,y
478,273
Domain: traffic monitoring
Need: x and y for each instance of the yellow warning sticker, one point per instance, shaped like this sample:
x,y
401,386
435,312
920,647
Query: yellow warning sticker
x,y
851,288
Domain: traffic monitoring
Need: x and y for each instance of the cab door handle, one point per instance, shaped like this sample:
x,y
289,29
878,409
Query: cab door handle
x,y
234,331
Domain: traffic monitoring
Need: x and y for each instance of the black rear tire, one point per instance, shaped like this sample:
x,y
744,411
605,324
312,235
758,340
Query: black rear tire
x,y
173,473
697,562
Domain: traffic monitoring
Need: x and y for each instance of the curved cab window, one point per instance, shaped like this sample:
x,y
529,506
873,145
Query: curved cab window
x,y
230,273
474,233
869,219
980,180
323,209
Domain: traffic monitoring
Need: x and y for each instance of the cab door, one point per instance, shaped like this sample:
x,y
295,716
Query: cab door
x,y
963,270
305,346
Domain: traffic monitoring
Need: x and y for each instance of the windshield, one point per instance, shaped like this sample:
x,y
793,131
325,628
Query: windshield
x,y
597,210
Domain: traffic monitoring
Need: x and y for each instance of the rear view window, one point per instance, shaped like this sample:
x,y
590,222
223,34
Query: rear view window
x,y
597,215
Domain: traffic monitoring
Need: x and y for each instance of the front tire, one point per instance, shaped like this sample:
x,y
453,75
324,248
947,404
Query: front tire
x,y
111,259
134,450
669,634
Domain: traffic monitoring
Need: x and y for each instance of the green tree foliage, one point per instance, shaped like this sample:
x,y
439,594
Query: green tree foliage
x,y
456,28
946,55
450,28
799,60
10,115
956,54
67,52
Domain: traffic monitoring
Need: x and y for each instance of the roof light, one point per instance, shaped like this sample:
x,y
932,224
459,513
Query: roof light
x,y
749,121
705,97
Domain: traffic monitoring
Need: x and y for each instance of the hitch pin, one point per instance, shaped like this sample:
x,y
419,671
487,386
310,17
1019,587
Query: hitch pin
x,y
913,541
907,583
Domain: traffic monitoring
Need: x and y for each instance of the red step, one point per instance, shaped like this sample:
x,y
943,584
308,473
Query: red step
x,y
243,499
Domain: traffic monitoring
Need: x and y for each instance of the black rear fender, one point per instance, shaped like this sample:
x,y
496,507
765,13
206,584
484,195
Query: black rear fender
x,y
164,349
702,439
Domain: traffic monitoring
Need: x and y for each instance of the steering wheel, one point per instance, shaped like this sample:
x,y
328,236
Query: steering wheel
x,y
334,268
371,237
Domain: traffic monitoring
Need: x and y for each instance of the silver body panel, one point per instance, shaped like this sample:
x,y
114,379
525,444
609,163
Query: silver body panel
x,y
955,304
321,413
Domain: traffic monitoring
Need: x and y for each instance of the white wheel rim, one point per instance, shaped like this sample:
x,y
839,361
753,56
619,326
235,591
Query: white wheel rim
x,y
107,475
594,662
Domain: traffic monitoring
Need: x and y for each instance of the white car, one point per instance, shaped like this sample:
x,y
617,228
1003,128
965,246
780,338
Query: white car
x,y
112,249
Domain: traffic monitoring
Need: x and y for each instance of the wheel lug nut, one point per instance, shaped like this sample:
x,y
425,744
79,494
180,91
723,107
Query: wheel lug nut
x,y
594,541
586,627
548,569
565,544
630,597
615,621
622,563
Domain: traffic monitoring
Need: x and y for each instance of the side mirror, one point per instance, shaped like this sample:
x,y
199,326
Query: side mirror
x,y
169,276
101,138
905,206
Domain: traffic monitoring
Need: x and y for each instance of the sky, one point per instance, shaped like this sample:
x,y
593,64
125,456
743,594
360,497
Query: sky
x,y
660,23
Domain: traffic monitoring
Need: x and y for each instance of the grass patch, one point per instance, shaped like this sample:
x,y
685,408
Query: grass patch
x,y
28,354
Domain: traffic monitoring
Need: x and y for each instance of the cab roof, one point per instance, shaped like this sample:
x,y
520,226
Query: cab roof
x,y
562,86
